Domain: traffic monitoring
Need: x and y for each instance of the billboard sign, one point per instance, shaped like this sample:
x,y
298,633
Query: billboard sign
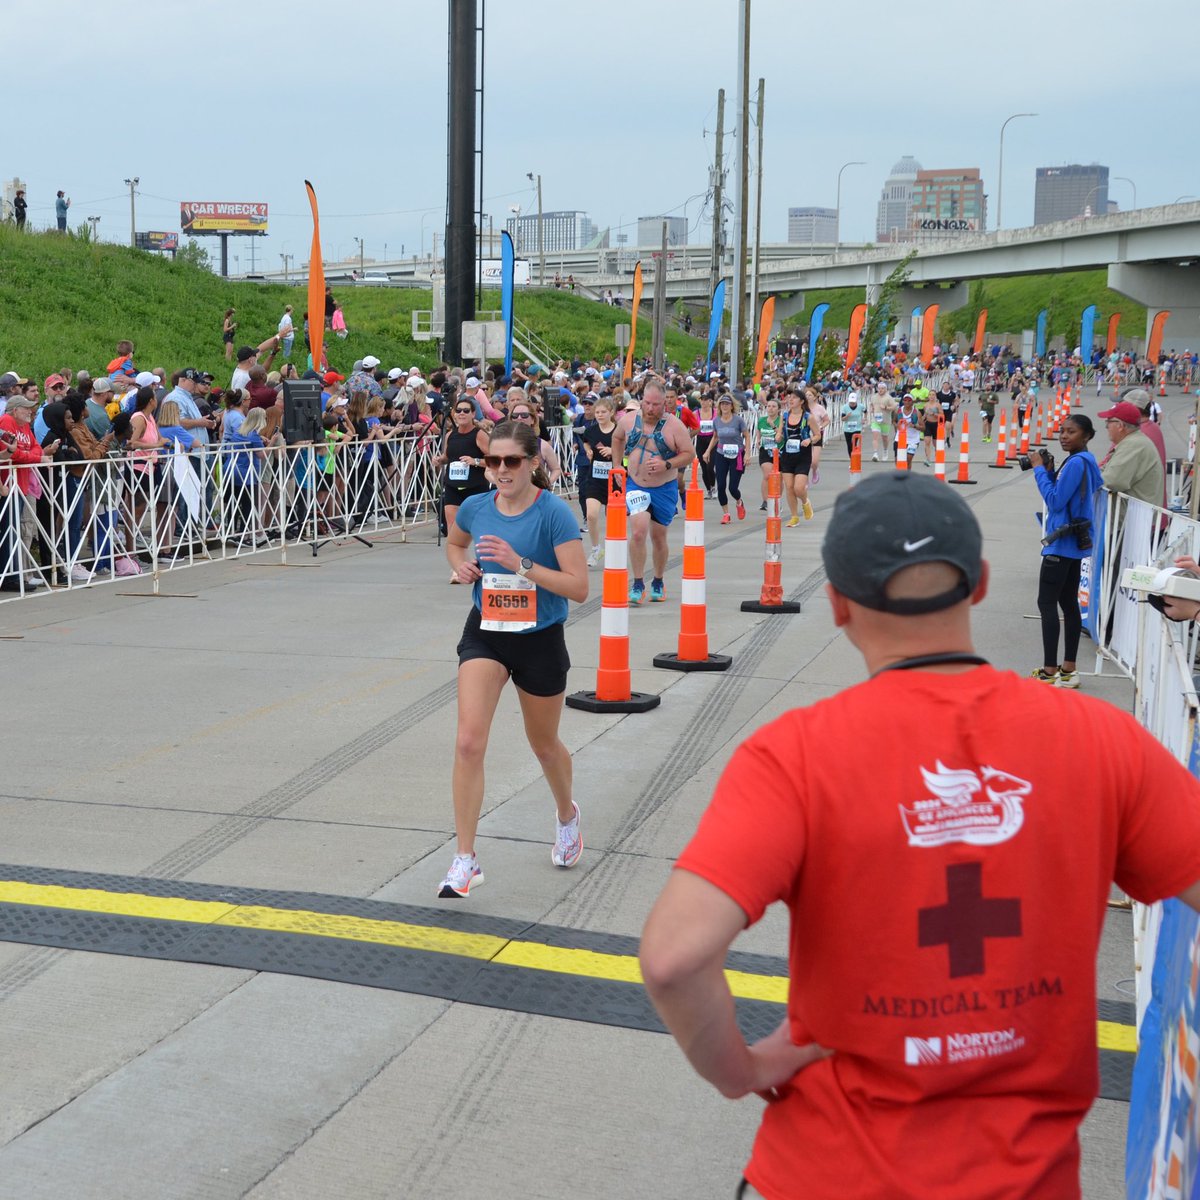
x,y
946,225
198,217
157,239
493,270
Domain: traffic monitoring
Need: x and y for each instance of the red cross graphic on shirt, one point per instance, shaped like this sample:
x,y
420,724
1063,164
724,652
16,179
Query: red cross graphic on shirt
x,y
966,919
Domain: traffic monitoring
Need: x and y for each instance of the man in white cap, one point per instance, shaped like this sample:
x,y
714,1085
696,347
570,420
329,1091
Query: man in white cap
x,y
364,380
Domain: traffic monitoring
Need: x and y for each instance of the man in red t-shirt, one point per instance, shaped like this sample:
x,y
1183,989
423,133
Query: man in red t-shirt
x,y
947,892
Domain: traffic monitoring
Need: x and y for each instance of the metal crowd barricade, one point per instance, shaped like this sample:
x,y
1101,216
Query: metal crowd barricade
x,y
138,514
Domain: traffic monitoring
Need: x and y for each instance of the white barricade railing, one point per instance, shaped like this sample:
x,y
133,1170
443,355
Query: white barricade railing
x,y
132,514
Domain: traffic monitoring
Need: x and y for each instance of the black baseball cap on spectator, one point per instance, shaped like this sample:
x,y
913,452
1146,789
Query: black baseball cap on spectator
x,y
196,376
245,352
896,520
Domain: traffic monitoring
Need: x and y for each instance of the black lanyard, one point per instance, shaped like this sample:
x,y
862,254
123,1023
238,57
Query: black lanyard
x,y
933,660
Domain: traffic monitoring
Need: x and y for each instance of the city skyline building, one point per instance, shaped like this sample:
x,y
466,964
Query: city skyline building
x,y
1063,193
894,210
812,225
946,202
565,230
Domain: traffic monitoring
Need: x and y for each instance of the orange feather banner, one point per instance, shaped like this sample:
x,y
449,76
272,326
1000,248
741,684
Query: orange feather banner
x,y
858,318
1110,343
316,288
1156,335
980,330
928,333
764,336
637,300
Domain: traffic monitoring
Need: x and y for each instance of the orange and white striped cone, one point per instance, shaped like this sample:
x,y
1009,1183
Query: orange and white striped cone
x,y
771,599
1002,463
939,451
1025,429
613,680
1162,381
964,452
1037,436
902,446
855,458
693,652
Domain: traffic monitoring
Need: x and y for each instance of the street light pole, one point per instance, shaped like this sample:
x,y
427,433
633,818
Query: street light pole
x,y
94,221
1000,172
541,239
361,267
1123,179
837,223
131,184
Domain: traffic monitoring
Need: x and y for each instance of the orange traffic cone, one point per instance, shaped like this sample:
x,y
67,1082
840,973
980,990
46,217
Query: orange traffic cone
x,y
939,451
1025,429
693,652
1037,437
613,680
1162,382
771,599
1002,463
964,452
855,458
902,446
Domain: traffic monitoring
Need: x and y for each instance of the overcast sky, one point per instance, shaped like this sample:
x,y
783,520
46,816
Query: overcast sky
x,y
614,104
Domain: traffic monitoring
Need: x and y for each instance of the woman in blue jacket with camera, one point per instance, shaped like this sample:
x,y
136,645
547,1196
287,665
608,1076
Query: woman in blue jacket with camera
x,y
1068,493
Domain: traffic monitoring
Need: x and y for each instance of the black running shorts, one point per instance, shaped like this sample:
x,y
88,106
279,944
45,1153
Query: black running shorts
x,y
537,662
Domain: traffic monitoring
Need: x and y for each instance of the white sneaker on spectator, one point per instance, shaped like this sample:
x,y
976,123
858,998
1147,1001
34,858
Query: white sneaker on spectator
x,y
80,573
34,581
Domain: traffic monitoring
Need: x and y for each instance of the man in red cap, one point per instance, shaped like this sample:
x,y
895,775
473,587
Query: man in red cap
x,y
1133,467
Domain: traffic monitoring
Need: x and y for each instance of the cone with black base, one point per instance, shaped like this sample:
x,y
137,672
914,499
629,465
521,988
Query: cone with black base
x,y
771,599
614,692
693,652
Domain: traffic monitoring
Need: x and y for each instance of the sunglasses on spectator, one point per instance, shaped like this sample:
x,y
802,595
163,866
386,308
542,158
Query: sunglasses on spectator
x,y
521,416
510,462
465,410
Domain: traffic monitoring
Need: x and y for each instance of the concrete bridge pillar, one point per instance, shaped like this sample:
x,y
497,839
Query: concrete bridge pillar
x,y
786,308
909,298
1160,286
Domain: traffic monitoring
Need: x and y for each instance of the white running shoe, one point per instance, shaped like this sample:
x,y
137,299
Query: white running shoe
x,y
594,555
568,841
464,874
80,573
1066,679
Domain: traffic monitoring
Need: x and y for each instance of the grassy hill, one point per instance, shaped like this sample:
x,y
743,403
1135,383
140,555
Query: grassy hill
x,y
66,303
1013,304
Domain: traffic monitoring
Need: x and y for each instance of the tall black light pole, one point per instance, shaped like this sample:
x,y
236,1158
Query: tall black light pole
x,y
460,177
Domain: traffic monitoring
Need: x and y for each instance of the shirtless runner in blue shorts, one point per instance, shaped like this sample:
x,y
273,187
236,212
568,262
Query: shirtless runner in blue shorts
x,y
659,447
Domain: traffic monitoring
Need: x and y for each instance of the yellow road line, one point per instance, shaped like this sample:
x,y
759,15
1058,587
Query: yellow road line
x,y
563,960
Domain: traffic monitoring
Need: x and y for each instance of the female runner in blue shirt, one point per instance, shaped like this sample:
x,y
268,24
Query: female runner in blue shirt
x,y
520,548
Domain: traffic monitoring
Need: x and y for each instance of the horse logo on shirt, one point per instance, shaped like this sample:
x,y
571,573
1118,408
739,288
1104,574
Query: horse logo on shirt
x,y
981,809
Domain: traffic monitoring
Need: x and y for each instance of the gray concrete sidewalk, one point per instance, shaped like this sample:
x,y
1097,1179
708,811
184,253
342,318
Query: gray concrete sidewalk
x,y
292,728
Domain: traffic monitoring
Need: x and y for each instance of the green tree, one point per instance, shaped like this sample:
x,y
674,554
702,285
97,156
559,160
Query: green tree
x,y
193,254
880,317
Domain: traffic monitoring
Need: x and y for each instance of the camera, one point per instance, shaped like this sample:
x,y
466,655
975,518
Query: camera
x,y
1025,464
1080,528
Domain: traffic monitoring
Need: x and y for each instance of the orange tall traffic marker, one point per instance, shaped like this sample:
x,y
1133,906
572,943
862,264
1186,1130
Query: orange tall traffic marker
x,y
855,458
1162,381
1025,428
693,652
902,446
613,680
1041,414
1002,463
771,599
939,451
964,452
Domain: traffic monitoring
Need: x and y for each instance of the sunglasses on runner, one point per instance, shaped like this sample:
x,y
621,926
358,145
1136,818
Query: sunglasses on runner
x,y
510,462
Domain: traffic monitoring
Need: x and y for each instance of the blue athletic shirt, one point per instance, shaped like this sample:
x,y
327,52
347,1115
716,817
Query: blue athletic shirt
x,y
548,522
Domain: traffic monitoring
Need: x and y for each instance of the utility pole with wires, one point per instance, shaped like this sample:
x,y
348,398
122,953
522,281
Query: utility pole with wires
x,y
762,84
743,183
94,222
718,199
131,184
361,260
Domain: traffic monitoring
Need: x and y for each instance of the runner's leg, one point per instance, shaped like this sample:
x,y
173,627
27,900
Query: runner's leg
x,y
639,530
542,715
480,682
658,540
